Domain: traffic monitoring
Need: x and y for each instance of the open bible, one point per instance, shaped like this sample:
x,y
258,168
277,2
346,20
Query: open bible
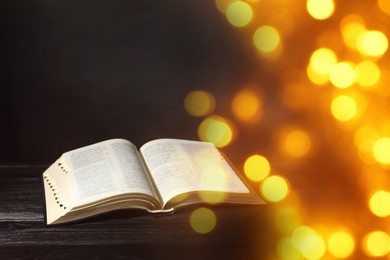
x,y
163,175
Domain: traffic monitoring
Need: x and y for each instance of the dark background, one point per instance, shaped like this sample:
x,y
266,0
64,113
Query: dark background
x,y
79,72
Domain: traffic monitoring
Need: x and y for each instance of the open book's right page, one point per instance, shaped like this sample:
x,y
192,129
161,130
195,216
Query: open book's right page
x,y
182,166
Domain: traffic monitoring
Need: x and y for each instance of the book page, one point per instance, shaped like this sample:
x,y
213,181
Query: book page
x,y
105,169
179,166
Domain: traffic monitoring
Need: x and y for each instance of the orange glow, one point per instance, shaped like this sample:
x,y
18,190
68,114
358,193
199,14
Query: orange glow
x,y
365,138
295,95
384,5
324,68
297,143
246,106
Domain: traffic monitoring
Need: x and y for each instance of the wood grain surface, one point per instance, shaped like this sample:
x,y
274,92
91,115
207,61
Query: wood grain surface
x,y
240,233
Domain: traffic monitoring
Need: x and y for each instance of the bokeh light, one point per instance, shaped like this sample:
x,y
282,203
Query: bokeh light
x,y
379,203
351,27
376,244
341,244
216,130
372,43
239,13
256,167
320,9
367,73
287,217
266,39
321,91
342,75
365,138
381,150
297,143
203,220
321,62
384,5
344,108
287,251
246,106
310,244
199,103
275,188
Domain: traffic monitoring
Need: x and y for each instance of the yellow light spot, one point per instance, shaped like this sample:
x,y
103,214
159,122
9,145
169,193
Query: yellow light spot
x,y
246,106
203,220
213,197
376,244
266,38
239,13
320,9
274,188
343,108
367,73
351,26
381,150
287,251
257,167
365,138
342,75
199,103
179,198
341,244
222,5
380,203
216,130
297,143
321,62
372,43
384,5
308,242
315,77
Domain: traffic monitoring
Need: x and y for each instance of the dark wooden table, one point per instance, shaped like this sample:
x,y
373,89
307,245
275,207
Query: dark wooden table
x,y
240,233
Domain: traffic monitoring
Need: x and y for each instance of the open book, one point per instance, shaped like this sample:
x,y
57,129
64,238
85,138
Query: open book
x,y
163,175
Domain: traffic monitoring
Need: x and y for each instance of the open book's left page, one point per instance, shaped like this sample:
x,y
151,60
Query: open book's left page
x,y
108,172
104,169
